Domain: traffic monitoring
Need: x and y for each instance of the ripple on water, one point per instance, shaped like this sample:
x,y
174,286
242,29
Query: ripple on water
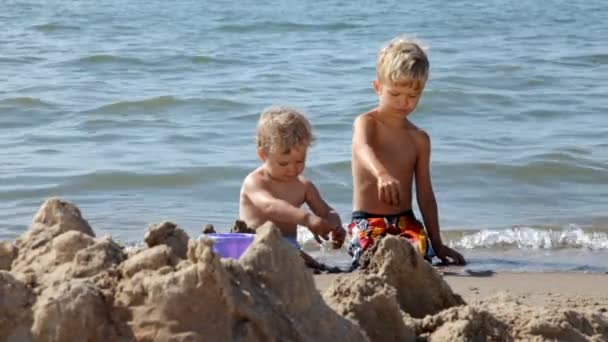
x,y
55,27
283,27
108,59
26,101
166,102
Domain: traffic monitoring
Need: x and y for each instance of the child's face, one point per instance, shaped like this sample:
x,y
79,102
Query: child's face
x,y
284,166
398,98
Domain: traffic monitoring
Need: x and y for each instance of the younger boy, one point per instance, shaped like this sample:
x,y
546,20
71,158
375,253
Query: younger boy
x,y
276,190
389,153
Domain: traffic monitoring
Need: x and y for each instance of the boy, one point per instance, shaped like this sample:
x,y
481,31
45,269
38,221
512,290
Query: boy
x,y
389,153
276,190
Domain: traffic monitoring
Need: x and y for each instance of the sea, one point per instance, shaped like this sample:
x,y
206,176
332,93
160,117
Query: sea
x,y
145,111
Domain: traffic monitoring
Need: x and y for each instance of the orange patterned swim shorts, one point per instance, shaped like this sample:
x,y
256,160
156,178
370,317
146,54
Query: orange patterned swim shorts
x,y
365,228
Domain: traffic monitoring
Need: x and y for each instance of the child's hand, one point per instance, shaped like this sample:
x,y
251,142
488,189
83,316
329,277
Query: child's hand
x,y
389,189
319,227
337,237
444,252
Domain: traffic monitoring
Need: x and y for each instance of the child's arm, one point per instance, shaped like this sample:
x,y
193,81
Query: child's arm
x,y
388,186
318,206
427,202
282,211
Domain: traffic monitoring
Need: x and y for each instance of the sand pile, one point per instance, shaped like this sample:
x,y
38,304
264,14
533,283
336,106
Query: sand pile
x,y
395,284
58,282
501,318
400,297
63,284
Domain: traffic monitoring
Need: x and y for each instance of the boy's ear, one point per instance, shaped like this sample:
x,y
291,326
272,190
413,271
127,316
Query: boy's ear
x,y
261,154
377,86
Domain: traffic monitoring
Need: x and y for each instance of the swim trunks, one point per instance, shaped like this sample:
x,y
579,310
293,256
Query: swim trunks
x,y
365,228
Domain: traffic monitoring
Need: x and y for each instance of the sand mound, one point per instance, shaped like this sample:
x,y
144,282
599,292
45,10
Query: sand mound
x,y
420,289
396,283
167,233
502,318
372,303
400,297
16,300
66,285
208,298
8,252
58,282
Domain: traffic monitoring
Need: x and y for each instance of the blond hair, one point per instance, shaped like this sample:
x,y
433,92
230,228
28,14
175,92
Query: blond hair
x,y
280,129
403,61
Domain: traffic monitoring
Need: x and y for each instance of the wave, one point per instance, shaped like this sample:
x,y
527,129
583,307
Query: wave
x,y
572,237
484,259
46,151
25,101
490,264
20,59
168,101
560,167
206,60
126,181
156,62
584,60
599,58
55,27
220,104
339,167
542,113
566,155
542,170
132,180
158,102
106,59
271,27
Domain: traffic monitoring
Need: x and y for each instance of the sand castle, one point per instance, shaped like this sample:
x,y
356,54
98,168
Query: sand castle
x,y
58,282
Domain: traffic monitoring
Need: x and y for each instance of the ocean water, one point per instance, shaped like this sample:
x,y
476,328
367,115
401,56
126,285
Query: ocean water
x,y
143,111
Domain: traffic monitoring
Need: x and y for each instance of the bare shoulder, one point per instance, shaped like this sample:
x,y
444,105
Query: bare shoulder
x,y
253,181
305,182
364,126
365,119
422,139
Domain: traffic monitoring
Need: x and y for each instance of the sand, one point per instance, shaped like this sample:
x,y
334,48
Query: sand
x,y
59,282
568,290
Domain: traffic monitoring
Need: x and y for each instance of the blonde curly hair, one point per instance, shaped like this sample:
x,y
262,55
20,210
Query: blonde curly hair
x,y
281,128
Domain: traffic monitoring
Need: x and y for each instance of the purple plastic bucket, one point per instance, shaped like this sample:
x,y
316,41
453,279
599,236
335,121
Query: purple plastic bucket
x,y
231,245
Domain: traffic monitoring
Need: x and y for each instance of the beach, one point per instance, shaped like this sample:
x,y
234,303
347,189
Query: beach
x,y
146,111
59,282
556,289
127,127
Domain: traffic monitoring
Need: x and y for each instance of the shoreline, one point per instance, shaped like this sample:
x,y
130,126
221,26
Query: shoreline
x,y
551,289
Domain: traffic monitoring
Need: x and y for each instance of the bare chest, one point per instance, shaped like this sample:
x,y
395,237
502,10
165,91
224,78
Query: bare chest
x,y
396,149
292,192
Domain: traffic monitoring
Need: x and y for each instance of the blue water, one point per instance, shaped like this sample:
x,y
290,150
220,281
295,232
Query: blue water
x,y
144,111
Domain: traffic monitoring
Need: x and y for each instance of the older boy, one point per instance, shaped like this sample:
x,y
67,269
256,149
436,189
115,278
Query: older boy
x,y
389,153
276,190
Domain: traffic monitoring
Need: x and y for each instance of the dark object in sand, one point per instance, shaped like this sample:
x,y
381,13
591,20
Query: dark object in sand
x,y
241,227
209,229
322,268
318,267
